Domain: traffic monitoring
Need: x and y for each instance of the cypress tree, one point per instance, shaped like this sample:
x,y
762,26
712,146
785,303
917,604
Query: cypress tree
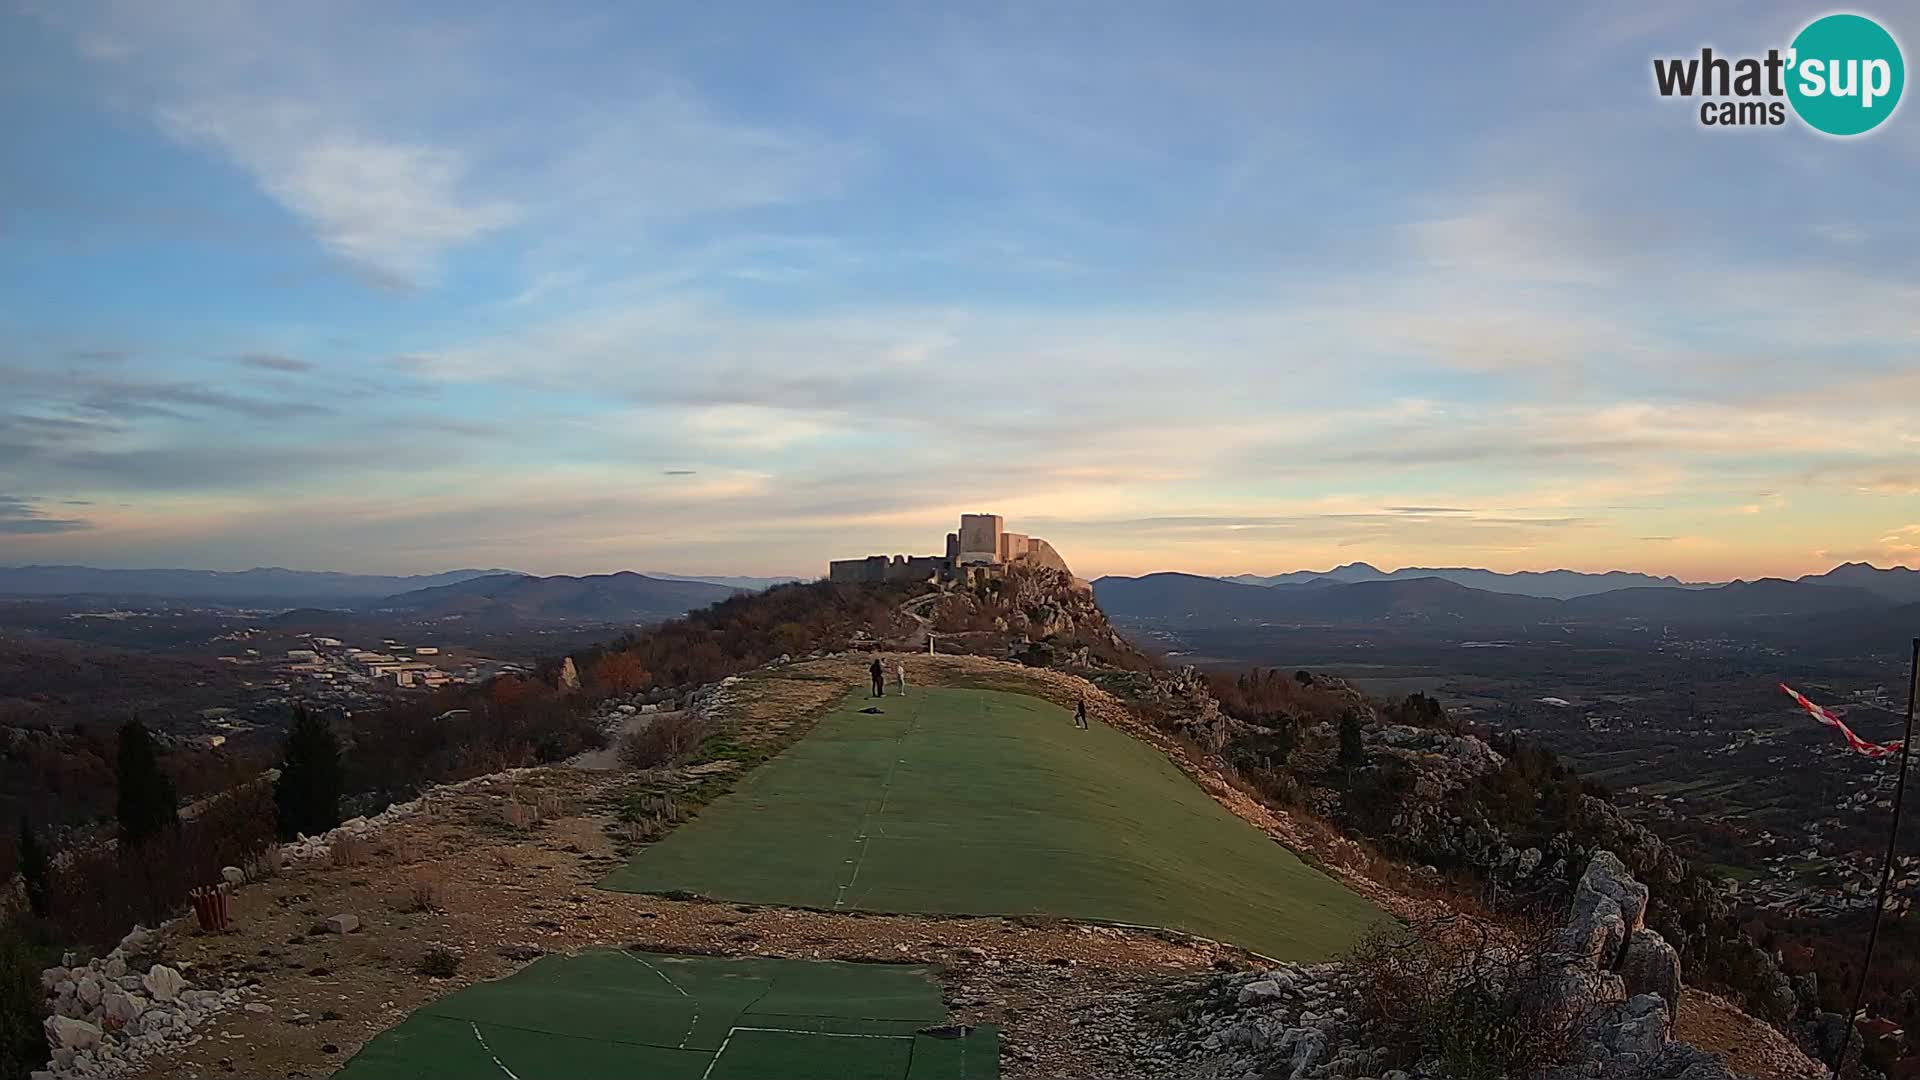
x,y
36,867
1353,753
307,795
147,801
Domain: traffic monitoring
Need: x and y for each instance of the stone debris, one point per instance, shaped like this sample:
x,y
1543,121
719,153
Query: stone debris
x,y
107,1016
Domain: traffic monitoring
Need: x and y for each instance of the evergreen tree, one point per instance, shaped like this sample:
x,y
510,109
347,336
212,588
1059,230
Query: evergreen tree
x,y
147,802
35,867
307,795
1352,753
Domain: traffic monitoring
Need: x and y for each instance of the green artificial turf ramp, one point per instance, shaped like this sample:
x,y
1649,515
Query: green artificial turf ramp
x,y
642,1016
980,802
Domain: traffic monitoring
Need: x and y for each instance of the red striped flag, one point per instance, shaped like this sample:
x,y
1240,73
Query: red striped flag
x,y
1826,716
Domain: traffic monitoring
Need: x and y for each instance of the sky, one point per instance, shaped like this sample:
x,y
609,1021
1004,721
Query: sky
x,y
740,288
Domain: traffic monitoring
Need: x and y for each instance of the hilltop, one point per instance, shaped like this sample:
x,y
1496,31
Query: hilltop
x,y
1393,800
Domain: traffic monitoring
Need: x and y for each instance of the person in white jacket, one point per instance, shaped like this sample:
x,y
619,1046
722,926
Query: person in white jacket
x,y
900,675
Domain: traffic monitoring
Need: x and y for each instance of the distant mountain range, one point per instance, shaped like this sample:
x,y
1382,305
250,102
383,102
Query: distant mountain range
x,y
1896,583
273,586
1556,584
1190,600
622,597
265,586
751,584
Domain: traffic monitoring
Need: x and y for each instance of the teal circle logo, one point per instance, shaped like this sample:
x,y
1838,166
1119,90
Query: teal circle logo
x,y
1846,74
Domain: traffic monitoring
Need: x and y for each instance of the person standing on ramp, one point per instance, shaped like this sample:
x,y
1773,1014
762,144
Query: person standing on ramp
x,y
879,678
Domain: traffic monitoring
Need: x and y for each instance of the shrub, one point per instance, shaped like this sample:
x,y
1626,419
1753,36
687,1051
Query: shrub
x,y
36,869
96,894
439,962
1478,1001
519,815
668,739
425,896
23,1007
307,795
648,818
348,851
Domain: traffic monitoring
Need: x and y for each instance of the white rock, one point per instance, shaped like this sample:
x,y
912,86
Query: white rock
x,y
234,875
258,1008
1262,990
53,977
122,1008
71,1034
164,983
115,967
89,989
343,923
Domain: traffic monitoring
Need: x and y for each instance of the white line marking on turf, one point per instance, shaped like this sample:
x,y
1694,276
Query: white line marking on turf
x,y
886,796
691,1024
731,1032
496,1058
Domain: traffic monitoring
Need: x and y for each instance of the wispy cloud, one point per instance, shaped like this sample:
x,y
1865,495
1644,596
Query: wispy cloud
x,y
21,517
274,362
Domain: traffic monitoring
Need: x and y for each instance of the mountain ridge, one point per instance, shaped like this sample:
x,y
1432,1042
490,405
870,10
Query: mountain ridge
x,y
1196,600
622,596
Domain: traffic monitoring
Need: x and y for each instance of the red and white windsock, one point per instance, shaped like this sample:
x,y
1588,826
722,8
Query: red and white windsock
x,y
1822,714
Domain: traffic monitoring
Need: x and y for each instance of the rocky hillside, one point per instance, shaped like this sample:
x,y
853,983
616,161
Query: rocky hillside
x,y
1600,994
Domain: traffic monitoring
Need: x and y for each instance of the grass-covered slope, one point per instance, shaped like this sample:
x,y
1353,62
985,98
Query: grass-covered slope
x,y
980,802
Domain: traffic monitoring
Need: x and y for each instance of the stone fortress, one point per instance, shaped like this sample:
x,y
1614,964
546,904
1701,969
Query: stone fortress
x,y
982,545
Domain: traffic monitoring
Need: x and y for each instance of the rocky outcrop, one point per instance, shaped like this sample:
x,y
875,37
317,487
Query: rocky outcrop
x,y
1613,983
1625,984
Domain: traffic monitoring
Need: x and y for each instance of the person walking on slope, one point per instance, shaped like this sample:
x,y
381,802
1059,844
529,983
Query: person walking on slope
x,y
1080,714
900,676
879,678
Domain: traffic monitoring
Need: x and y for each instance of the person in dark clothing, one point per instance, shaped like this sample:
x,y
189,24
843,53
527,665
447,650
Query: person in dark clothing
x,y
879,674
1080,714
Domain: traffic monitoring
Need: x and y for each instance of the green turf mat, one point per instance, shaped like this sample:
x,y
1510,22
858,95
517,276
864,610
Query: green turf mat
x,y
754,1054
643,1016
988,803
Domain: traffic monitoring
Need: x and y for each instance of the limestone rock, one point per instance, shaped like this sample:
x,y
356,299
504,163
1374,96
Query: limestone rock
x,y
1259,991
121,1008
1607,876
234,875
344,923
1651,966
164,983
67,1033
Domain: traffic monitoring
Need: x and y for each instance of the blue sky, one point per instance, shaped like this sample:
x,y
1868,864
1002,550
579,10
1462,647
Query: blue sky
x,y
741,288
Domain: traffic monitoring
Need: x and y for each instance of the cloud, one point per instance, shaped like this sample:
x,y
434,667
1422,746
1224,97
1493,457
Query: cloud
x,y
392,207
102,397
20,517
274,362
